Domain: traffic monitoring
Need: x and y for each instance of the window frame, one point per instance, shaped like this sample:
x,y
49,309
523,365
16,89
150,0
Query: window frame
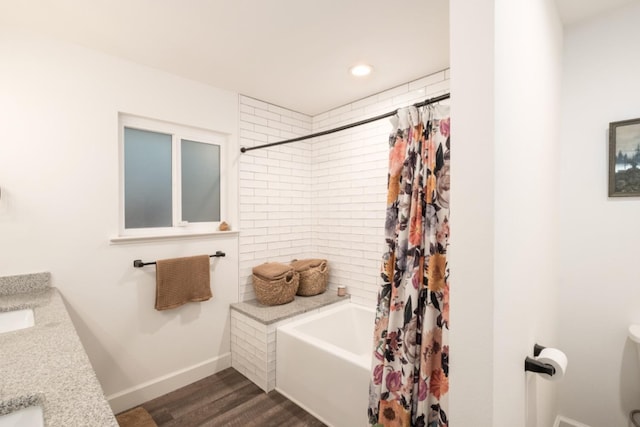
x,y
178,132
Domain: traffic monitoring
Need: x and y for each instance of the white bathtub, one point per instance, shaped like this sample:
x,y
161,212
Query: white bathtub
x,y
323,363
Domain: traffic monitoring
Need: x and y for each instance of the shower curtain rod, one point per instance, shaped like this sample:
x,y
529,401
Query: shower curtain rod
x,y
344,127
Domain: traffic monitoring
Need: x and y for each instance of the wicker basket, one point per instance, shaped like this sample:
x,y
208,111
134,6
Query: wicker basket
x,y
313,280
276,292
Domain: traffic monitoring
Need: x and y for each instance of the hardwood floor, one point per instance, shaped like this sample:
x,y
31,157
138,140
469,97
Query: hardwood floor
x,y
227,399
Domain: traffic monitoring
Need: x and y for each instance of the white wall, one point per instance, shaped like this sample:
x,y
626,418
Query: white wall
x,y
505,61
599,294
472,224
59,105
527,96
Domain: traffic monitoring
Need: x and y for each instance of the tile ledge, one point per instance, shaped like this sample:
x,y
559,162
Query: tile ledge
x,y
272,314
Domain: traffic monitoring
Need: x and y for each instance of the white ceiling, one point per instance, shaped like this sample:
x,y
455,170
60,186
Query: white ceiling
x,y
573,11
293,53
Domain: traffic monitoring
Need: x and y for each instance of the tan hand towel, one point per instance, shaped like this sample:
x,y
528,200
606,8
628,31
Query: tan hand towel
x,y
272,270
181,280
305,264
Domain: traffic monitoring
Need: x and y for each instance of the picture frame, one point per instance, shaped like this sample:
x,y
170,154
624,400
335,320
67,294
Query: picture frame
x,y
624,158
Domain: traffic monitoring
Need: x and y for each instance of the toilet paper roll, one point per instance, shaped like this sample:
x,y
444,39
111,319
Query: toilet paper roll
x,y
555,358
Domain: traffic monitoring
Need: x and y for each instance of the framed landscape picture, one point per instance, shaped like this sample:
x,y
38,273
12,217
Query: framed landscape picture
x,y
624,158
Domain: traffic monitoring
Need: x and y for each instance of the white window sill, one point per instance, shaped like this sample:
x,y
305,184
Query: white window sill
x,y
118,240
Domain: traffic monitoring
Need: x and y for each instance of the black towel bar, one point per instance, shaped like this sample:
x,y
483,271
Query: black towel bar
x,y
138,263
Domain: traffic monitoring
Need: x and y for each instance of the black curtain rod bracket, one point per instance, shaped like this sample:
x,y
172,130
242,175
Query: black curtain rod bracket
x,y
139,264
344,127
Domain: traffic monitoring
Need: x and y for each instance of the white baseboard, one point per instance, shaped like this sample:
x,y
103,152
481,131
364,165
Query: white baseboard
x,y
567,422
146,391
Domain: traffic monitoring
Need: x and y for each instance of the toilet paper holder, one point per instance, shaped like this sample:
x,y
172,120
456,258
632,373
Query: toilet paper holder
x,y
533,365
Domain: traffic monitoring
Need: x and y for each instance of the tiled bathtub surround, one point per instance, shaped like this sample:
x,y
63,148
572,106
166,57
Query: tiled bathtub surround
x,y
275,198
253,333
321,198
46,364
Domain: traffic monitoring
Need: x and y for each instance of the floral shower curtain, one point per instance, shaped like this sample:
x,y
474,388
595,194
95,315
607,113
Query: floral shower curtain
x,y
410,372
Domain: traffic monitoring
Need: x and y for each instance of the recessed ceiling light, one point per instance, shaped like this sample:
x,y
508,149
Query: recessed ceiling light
x,y
360,70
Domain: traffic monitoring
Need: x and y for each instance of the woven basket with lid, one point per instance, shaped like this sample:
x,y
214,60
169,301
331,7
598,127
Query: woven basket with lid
x,y
314,276
275,283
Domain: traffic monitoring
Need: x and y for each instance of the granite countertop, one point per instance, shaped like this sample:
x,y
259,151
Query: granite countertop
x,y
268,314
46,364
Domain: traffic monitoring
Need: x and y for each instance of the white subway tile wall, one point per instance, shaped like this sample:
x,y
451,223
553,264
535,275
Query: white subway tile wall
x,y
252,349
275,189
324,197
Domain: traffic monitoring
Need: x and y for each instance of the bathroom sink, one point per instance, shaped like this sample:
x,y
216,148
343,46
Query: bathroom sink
x,y
31,416
16,319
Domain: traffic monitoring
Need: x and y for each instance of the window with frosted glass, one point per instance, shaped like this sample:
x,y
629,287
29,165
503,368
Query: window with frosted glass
x,y
200,165
171,178
147,179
